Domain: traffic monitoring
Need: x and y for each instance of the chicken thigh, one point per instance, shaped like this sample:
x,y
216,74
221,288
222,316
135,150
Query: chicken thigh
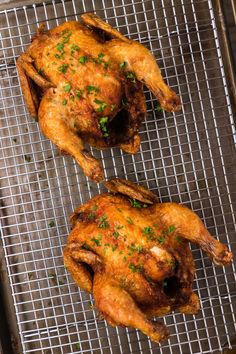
x,y
84,82
132,254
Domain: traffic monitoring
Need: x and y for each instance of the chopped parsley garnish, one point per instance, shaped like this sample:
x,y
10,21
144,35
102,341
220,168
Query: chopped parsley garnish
x,y
139,248
135,268
124,259
63,68
51,223
103,125
123,64
91,216
27,158
116,234
64,102
102,105
77,346
60,47
161,240
67,87
40,71
149,279
78,94
94,207
179,239
118,227
130,221
59,56
97,239
103,223
72,97
74,48
91,88
149,232
113,106
135,203
107,64
131,76
67,37
101,55
158,108
114,248
171,228
83,60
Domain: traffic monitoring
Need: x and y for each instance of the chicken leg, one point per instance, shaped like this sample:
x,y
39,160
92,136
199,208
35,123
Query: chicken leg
x,y
53,124
190,227
137,59
118,307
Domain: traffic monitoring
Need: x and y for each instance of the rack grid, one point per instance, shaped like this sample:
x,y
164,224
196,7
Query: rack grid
x,y
185,157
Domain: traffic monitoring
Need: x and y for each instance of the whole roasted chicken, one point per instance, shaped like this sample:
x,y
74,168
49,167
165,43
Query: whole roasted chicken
x,y
132,253
84,82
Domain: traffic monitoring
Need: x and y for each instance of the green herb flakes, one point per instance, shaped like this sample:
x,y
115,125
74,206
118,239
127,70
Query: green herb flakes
x,y
123,64
103,122
103,223
161,240
40,71
148,230
27,158
135,268
67,87
135,203
77,346
63,68
158,108
124,259
179,239
91,88
60,47
101,55
171,228
94,207
64,102
116,234
78,94
51,223
102,105
130,75
97,239
91,216
130,221
113,107
83,59
114,248
74,48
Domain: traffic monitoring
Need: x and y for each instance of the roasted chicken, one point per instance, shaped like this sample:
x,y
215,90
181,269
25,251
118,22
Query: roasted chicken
x,y
132,254
84,82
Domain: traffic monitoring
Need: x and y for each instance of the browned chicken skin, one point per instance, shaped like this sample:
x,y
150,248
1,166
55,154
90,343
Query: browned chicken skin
x,y
84,88
137,257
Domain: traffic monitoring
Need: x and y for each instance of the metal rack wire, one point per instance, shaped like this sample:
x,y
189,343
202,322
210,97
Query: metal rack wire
x,y
184,157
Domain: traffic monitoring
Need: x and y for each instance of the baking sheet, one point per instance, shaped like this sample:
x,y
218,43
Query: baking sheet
x,y
184,157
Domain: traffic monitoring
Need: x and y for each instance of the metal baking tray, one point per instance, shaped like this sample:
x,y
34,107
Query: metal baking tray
x,y
185,157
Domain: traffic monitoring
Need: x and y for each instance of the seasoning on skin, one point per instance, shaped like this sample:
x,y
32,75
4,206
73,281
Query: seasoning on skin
x,y
83,59
123,64
78,94
131,76
103,125
103,223
67,87
63,68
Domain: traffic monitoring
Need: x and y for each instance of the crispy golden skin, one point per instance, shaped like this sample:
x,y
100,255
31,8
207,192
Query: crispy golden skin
x,y
140,261
91,89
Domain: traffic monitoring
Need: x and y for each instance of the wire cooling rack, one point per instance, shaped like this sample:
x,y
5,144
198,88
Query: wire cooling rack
x,y
184,157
